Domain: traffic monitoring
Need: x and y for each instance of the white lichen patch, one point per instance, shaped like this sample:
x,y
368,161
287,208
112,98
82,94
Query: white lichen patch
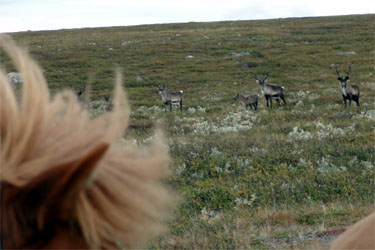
x,y
369,115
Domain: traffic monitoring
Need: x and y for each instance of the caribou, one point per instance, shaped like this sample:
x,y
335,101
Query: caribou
x,y
348,91
249,101
81,100
108,104
80,93
171,98
270,91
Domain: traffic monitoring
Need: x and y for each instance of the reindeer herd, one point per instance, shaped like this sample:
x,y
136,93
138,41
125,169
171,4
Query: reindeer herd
x,y
269,91
358,236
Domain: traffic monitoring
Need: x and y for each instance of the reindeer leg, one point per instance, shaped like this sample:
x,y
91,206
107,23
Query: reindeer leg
x,y
267,101
278,101
181,106
271,101
356,99
282,98
350,100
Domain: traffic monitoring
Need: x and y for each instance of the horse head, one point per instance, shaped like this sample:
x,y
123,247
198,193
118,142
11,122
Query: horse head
x,y
68,180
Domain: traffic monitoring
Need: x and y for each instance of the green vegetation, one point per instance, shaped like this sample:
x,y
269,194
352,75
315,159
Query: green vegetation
x,y
265,179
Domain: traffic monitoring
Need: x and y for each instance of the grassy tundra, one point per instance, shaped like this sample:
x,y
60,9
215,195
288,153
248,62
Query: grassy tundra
x,y
272,178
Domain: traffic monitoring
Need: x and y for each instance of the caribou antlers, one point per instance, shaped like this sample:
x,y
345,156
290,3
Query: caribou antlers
x,y
347,72
256,77
337,71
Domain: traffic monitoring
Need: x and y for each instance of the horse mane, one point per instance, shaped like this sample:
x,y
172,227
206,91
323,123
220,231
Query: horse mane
x,y
64,171
361,235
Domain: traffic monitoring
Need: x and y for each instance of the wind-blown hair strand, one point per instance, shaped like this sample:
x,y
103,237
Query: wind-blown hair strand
x,y
63,170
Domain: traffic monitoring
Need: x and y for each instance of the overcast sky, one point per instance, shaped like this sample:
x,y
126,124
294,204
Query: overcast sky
x,y
22,15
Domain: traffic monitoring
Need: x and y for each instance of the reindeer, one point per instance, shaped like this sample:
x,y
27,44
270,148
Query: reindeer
x,y
270,91
80,93
348,91
249,101
80,98
108,104
171,98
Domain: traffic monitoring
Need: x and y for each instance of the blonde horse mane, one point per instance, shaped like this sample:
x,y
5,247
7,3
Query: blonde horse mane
x,y
62,165
361,235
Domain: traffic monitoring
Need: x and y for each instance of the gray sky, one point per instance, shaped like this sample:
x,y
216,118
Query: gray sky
x,y
22,15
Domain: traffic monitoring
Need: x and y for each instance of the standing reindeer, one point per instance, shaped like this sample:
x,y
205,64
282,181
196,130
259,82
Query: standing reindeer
x,y
249,101
348,91
171,98
80,93
270,91
80,98
108,103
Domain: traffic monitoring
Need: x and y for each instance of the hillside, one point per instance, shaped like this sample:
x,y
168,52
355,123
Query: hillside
x,y
277,178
